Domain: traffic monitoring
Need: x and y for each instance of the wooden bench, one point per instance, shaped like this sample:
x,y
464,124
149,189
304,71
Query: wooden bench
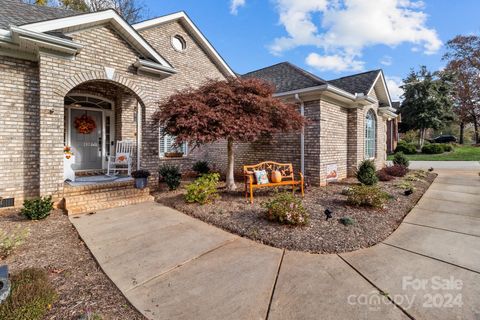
x,y
286,170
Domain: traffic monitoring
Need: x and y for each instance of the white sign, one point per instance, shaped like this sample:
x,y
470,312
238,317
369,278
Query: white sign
x,y
332,172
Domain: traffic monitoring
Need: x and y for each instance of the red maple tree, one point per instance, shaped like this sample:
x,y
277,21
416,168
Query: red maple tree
x,y
235,110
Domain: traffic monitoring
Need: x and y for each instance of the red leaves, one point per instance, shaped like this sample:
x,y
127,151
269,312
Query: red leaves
x,y
243,109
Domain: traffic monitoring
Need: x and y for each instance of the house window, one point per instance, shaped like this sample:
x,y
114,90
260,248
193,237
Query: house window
x,y
166,146
179,43
370,135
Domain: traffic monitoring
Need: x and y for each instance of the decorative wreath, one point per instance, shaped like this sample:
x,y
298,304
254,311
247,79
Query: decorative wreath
x,y
85,124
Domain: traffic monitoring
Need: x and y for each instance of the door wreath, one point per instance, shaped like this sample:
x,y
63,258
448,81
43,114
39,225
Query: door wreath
x,y
85,124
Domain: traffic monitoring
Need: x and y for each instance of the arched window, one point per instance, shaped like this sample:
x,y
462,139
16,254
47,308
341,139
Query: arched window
x,y
370,135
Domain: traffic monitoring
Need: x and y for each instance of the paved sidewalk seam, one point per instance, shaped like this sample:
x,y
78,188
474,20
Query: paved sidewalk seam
x,y
380,291
433,258
442,229
181,264
436,211
426,196
275,285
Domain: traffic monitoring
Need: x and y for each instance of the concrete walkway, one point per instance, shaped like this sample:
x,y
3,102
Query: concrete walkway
x,y
172,266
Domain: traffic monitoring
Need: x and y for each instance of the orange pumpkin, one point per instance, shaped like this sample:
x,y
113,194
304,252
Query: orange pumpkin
x,y
276,176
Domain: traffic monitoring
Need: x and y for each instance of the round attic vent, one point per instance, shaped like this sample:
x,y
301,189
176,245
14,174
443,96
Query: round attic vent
x,y
178,43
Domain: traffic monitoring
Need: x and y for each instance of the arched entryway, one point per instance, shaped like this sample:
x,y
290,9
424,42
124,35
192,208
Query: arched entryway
x,y
99,114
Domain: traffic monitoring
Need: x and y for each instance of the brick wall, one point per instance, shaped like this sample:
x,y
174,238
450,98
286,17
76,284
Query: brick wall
x,y
19,129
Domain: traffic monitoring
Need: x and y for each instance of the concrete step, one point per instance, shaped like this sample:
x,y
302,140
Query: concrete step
x,y
101,205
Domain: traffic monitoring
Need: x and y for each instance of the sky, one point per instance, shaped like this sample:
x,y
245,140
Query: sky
x,y
330,38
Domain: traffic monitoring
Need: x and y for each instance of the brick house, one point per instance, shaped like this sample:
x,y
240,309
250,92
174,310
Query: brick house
x,y
57,66
348,123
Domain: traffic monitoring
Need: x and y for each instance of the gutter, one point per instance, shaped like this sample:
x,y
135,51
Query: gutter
x,y
44,40
152,67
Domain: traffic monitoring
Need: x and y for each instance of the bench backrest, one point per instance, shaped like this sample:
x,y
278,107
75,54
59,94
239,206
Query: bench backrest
x,y
286,169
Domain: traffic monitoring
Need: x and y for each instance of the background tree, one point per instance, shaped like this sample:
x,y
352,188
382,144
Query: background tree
x,y
237,110
463,57
131,10
427,101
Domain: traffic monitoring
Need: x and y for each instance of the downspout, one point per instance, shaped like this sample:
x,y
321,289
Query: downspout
x,y
139,134
302,135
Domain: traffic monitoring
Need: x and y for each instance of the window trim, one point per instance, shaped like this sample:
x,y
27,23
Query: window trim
x,y
367,138
161,139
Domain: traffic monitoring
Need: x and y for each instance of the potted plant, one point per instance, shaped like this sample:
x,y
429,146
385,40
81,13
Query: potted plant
x,y
141,178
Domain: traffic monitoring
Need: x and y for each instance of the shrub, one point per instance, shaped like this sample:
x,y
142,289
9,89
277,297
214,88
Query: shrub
x,y
366,173
371,196
396,170
405,147
204,189
31,297
447,147
287,209
411,136
400,159
405,185
139,174
433,148
384,176
171,175
10,241
38,208
201,167
347,221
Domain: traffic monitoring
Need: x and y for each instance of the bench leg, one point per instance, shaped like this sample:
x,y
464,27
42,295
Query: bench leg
x,y
251,194
293,189
301,189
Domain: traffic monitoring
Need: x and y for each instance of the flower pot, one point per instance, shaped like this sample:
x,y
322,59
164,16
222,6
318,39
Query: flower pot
x,y
173,154
141,183
276,176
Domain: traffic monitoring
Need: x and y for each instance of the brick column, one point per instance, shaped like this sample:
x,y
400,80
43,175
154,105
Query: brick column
x,y
312,142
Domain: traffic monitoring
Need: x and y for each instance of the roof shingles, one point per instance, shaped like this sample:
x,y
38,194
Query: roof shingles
x,y
357,83
17,13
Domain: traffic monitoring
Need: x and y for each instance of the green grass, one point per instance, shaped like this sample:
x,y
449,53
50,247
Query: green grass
x,y
463,153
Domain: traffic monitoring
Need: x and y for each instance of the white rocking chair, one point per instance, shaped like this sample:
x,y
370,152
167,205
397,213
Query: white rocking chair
x,y
122,160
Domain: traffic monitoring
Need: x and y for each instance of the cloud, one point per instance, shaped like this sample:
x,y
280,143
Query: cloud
x,y
393,84
235,4
386,60
343,28
336,63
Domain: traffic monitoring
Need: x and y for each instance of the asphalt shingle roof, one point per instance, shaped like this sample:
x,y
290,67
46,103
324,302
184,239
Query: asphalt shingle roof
x,y
357,83
286,77
17,13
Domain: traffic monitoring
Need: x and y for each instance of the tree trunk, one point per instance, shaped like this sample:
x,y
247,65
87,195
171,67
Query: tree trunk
x,y
422,137
230,170
462,132
477,134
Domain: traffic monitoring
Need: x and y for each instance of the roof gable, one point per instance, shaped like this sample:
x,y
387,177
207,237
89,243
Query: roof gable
x,y
82,21
357,83
286,77
197,34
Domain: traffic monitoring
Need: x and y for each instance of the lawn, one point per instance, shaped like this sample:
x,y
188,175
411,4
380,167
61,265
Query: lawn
x,y
463,153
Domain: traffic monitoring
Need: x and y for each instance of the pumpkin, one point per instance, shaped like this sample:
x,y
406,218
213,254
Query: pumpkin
x,y
276,176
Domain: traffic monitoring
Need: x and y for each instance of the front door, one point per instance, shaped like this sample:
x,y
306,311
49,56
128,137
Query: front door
x,y
86,132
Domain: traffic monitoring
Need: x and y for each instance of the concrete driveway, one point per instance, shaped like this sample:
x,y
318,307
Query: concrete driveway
x,y
172,266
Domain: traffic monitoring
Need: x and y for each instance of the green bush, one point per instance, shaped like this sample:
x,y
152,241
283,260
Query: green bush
x,y
405,185
366,173
31,297
171,175
203,190
447,147
347,221
10,241
287,209
405,147
201,167
371,196
400,159
38,208
433,148
411,136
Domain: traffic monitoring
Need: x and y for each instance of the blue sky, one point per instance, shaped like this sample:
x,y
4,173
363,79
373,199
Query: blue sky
x,y
330,38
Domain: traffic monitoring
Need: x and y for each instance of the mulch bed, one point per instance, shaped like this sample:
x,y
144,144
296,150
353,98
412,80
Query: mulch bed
x,y
233,213
81,285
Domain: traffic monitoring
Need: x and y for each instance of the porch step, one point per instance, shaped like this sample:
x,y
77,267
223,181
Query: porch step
x,y
86,199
